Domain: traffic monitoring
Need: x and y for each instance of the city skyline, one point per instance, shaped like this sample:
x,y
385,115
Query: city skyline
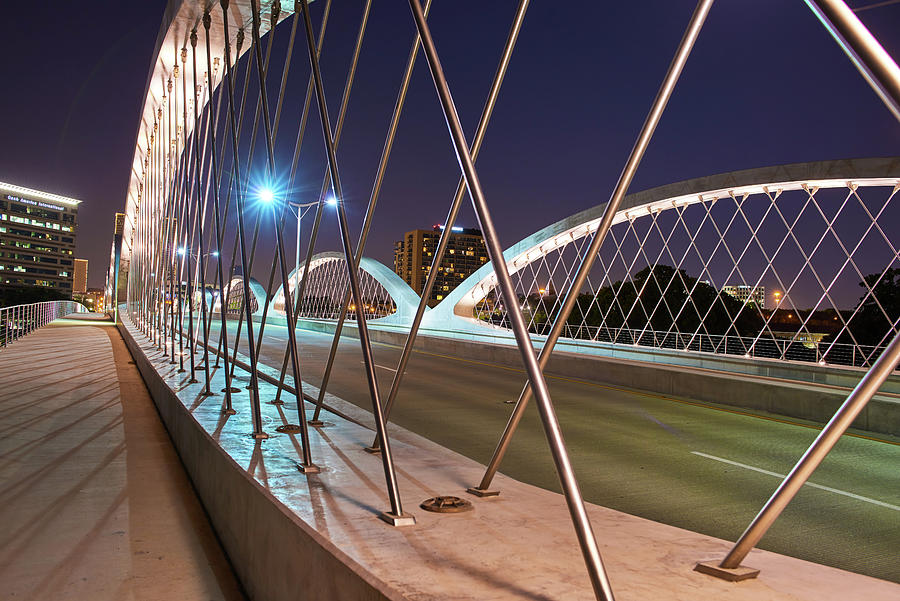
x,y
574,128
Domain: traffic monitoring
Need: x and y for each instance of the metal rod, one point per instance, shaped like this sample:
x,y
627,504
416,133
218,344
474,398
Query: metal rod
x,y
220,231
814,455
370,210
612,207
387,458
201,206
880,70
254,389
875,65
588,543
306,463
444,240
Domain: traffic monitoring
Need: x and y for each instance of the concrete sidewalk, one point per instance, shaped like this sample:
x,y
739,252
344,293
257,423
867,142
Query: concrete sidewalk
x,y
94,502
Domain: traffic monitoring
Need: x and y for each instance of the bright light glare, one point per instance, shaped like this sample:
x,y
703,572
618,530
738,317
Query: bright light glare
x,y
266,195
215,253
181,251
331,201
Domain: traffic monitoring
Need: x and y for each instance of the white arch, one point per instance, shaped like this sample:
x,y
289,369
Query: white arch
x,y
825,174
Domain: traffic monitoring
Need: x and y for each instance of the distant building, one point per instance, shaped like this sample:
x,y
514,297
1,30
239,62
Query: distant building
x,y
120,224
79,282
37,238
414,254
748,294
92,298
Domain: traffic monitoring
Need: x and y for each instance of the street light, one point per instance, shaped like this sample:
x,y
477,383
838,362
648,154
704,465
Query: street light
x,y
299,210
266,195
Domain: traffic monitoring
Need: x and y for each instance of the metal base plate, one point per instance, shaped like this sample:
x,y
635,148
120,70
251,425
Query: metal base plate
x,y
372,450
446,504
229,411
193,381
405,519
737,574
315,423
232,389
310,468
482,493
278,402
259,435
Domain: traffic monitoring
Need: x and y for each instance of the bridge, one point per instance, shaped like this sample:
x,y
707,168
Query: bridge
x,y
669,411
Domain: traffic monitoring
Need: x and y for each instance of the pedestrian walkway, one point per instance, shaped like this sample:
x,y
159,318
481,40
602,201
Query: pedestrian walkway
x,y
94,502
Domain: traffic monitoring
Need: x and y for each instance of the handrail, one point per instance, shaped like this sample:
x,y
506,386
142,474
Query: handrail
x,y
17,321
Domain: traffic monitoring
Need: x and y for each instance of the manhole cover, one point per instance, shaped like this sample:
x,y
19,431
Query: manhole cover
x,y
288,429
446,505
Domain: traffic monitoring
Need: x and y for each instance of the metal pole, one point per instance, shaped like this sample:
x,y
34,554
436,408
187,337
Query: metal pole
x,y
306,466
220,229
254,389
201,206
589,549
625,178
367,221
444,240
875,65
813,456
882,73
396,516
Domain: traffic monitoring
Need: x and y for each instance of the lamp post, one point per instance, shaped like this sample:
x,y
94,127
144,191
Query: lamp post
x,y
299,210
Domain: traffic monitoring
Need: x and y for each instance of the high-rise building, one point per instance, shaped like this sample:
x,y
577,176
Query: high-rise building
x,y
79,282
413,256
120,224
748,294
37,238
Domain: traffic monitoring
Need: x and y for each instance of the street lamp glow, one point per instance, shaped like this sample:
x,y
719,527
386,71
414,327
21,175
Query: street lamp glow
x,y
181,251
215,253
266,195
331,201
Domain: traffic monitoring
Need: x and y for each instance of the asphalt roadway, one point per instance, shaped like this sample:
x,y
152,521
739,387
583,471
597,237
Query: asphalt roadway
x,y
705,468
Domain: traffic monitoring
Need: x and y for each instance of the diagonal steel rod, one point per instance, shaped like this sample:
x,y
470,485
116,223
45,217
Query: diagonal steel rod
x,y
264,317
254,384
631,165
306,465
201,206
882,73
367,222
444,240
817,451
220,230
588,543
396,512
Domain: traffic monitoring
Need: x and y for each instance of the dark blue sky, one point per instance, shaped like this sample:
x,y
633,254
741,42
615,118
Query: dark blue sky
x,y
764,85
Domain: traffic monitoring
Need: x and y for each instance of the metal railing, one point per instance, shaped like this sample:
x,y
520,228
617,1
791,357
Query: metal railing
x,y
20,320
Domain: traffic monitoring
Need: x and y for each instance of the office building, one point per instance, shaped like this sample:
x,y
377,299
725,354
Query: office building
x,y
79,282
414,254
37,238
748,294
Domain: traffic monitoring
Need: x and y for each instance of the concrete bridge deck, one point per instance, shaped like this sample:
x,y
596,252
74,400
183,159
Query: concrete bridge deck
x,y
94,502
289,533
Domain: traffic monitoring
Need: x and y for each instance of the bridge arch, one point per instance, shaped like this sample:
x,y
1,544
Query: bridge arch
x,y
636,224
393,301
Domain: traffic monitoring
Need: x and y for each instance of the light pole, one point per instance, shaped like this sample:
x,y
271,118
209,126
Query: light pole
x,y
299,210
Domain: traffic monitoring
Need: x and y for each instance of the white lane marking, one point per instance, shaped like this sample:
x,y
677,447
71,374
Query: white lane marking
x,y
782,476
383,367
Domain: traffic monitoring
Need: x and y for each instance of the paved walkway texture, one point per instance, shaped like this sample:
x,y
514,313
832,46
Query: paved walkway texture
x,y
94,502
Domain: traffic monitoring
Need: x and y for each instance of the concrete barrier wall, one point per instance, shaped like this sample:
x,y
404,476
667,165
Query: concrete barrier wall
x,y
810,400
270,549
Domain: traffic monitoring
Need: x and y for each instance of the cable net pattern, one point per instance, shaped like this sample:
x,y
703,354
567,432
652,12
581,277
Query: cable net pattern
x,y
808,275
327,286
234,300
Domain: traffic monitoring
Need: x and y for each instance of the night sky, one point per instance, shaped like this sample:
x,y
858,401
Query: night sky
x,y
765,85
